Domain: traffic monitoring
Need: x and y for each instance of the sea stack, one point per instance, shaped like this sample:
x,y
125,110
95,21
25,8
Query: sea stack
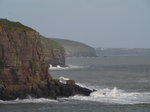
x,y
24,66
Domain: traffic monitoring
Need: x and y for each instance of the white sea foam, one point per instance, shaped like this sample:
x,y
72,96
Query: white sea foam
x,y
63,79
115,96
64,68
29,100
102,95
111,95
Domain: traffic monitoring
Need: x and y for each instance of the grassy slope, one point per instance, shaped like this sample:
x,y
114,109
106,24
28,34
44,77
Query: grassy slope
x,y
11,24
51,43
76,48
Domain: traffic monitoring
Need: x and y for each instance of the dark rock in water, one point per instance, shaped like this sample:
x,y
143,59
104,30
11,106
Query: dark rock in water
x,y
24,64
70,82
43,89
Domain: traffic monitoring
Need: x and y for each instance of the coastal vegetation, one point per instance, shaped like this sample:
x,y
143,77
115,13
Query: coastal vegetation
x,y
51,43
12,24
76,49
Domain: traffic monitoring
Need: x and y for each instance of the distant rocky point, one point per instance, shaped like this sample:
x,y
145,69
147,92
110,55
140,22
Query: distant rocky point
x,y
76,49
123,51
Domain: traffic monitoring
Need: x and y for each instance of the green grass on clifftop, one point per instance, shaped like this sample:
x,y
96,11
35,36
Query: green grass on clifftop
x,y
11,24
51,43
76,49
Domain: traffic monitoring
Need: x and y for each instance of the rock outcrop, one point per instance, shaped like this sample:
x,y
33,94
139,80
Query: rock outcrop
x,y
53,51
21,54
24,66
76,49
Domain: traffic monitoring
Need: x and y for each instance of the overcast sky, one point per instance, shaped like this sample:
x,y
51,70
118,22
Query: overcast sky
x,y
99,23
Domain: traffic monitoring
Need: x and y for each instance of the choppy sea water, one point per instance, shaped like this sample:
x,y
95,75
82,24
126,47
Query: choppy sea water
x,y
122,84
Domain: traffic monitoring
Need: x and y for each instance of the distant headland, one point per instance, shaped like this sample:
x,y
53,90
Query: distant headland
x,y
76,49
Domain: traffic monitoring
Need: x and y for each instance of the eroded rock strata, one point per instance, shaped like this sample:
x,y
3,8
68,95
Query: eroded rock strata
x,y
24,66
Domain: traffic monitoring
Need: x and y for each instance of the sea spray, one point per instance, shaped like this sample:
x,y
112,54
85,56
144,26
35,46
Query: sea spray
x,y
58,67
29,100
115,96
102,95
63,79
110,95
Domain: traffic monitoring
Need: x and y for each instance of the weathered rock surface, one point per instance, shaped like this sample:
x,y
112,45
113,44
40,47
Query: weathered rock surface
x,y
21,54
45,89
24,66
70,82
53,51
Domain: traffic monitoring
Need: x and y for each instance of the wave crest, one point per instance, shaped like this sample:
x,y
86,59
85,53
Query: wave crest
x,y
64,68
29,100
102,95
115,96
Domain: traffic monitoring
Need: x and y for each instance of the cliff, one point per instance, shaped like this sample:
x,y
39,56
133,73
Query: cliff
x,y
76,49
24,66
21,54
53,51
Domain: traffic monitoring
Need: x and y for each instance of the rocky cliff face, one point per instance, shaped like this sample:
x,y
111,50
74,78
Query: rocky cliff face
x,y
53,51
24,65
21,55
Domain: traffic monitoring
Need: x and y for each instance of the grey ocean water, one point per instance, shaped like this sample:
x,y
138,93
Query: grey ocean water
x,y
122,84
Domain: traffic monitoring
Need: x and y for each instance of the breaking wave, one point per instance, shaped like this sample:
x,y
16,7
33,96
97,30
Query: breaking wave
x,y
115,95
102,95
29,100
63,79
111,95
64,68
